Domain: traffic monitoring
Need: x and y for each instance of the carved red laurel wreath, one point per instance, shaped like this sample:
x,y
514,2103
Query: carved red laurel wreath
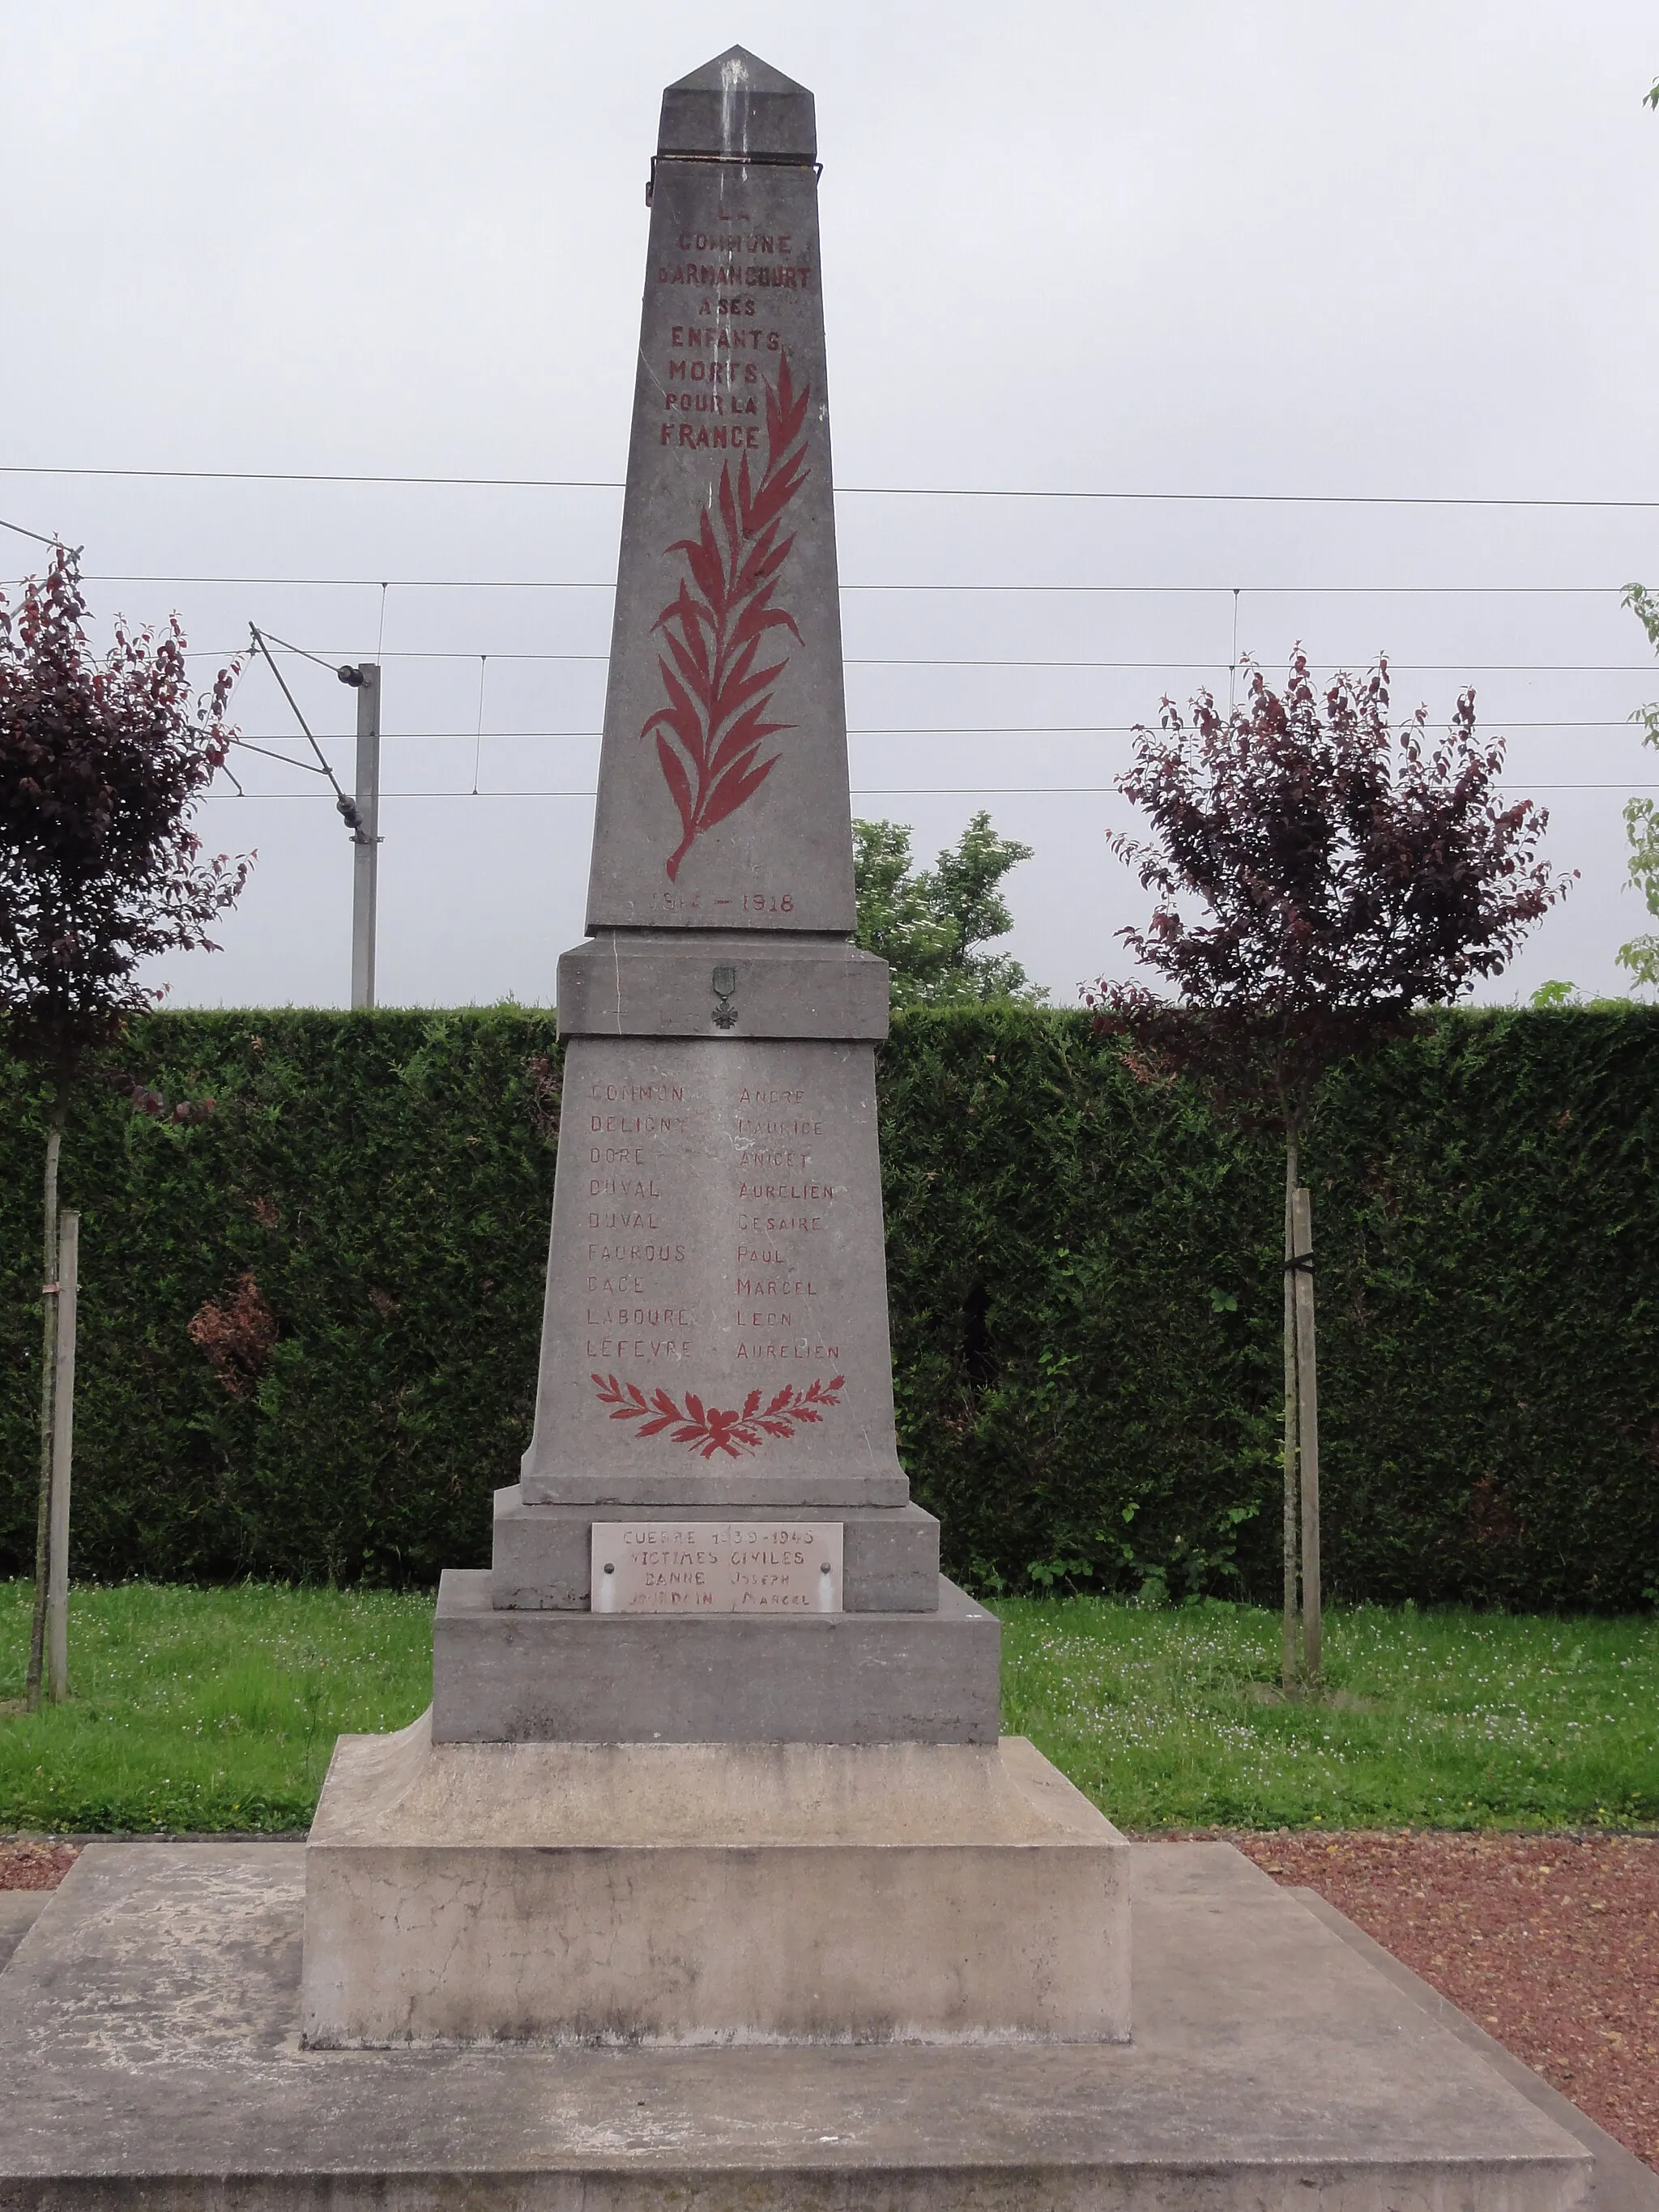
x,y
710,733
709,1429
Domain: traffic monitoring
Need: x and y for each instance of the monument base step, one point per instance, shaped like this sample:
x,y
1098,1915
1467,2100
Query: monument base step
x,y
542,1556
709,1893
514,1677
150,2061
707,1493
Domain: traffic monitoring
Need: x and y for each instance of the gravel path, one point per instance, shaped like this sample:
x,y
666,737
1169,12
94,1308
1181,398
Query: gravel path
x,y
1550,1942
29,1865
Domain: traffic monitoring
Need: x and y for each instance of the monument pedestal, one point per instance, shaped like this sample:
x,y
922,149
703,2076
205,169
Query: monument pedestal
x,y
838,1678
150,2061
709,1893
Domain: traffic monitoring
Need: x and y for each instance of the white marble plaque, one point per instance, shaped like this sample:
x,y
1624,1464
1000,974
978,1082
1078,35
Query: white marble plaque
x,y
758,1565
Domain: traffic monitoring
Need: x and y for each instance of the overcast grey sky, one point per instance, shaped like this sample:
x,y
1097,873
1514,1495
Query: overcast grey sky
x,y
1367,248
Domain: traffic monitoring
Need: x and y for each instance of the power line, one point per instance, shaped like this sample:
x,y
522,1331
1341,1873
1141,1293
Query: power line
x,y
943,660
17,527
1500,724
268,638
345,805
863,491
1138,591
866,791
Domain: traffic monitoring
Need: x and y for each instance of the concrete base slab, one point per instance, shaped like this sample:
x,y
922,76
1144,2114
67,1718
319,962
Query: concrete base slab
x,y
590,1893
150,2057
1619,2181
513,1677
19,1910
541,1560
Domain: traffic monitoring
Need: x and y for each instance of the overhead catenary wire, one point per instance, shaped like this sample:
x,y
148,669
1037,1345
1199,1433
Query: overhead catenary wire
x,y
1129,495
344,804
1499,726
18,529
866,791
1083,590
478,739
947,660
269,637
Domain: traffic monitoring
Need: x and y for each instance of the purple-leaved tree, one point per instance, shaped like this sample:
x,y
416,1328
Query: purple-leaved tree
x,y
1321,876
102,758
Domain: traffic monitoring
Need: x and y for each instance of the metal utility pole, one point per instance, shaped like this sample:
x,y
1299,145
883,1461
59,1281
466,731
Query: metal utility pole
x,y
360,814
365,680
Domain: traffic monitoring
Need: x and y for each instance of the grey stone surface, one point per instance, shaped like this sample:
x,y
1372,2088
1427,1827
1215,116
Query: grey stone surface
x,y
733,1677
647,983
706,1892
722,795
820,1489
737,105
149,2055
19,1910
1620,2182
716,1284
540,1558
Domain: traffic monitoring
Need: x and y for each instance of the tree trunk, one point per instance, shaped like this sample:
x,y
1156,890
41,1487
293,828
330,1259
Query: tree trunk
x,y
1307,1391
63,1456
1288,1656
48,1401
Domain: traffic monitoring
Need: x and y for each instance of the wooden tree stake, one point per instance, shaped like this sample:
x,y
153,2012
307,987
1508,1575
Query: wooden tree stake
x,y
1307,1393
63,1446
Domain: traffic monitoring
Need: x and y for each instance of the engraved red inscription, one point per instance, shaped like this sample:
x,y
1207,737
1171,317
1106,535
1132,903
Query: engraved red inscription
x,y
710,735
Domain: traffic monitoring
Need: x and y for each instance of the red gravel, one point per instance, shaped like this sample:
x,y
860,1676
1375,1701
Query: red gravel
x,y
1550,1942
26,1865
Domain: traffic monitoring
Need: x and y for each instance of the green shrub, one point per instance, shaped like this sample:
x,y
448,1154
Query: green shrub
x,y
1085,1275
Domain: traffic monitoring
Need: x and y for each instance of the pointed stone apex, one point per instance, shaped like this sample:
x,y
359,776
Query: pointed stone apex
x,y
740,106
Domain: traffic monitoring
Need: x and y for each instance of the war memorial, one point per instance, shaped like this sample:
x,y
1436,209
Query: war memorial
x,y
708,1878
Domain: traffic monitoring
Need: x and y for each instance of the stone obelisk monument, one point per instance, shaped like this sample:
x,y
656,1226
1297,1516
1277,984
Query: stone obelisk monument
x,y
713,1753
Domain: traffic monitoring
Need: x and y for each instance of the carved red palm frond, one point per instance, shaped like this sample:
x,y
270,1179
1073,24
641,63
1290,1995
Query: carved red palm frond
x,y
709,735
710,1429
736,785
680,715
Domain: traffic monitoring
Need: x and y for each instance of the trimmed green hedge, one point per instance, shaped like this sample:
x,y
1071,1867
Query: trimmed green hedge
x,y
1085,1288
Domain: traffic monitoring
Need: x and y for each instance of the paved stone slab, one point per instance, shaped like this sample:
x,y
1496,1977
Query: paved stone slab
x,y
716,1305
19,1910
642,983
540,1558
733,1677
149,2055
1621,2182
908,1893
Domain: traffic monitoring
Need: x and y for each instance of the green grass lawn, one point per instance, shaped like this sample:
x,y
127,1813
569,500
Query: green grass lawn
x,y
1446,1719
203,1708
218,1709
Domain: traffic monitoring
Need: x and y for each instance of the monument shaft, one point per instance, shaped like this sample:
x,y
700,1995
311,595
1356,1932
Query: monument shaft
x,y
723,797
716,1315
